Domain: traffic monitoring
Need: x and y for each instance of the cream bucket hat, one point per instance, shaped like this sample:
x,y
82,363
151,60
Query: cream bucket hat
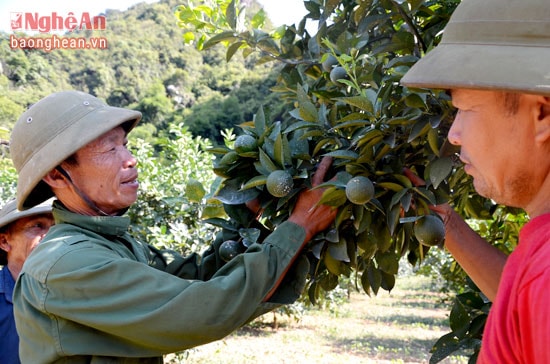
x,y
52,130
493,45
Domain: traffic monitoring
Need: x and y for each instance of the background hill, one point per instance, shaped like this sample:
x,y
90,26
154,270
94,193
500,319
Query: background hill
x,y
146,67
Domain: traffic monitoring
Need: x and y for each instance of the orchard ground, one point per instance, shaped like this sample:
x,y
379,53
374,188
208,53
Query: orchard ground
x,y
396,327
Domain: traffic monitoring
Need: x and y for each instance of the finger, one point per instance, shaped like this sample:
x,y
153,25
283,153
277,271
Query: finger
x,y
443,208
321,171
413,177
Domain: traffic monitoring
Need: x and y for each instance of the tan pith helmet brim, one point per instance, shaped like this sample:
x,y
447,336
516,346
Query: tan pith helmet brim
x,y
52,130
491,45
9,213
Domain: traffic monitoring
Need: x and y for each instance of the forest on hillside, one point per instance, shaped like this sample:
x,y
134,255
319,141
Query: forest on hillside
x,y
146,67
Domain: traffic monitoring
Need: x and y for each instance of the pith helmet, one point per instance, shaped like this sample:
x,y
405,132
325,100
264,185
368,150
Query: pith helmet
x,y
492,45
52,130
9,213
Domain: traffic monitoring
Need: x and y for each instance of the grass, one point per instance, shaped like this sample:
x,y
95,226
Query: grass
x,y
396,327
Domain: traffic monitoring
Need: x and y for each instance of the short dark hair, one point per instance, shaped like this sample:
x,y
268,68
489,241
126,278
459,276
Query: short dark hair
x,y
511,102
71,160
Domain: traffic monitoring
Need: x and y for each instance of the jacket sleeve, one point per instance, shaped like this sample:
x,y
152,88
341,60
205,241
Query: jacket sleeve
x,y
193,266
203,267
121,307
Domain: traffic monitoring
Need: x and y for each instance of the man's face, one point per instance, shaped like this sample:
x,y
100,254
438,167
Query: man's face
x,y
498,147
23,235
105,172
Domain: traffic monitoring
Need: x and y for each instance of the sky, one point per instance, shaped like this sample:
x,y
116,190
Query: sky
x,y
279,11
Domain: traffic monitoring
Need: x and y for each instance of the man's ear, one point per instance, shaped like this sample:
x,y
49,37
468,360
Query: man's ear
x,y
4,243
55,179
542,114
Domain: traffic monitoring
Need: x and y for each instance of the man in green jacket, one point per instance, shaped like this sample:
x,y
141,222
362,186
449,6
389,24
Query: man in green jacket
x,y
90,293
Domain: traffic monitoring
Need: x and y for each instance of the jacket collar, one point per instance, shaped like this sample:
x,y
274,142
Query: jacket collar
x,y
104,225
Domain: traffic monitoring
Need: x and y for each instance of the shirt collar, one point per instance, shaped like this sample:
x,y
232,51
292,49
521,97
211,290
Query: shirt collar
x,y
104,225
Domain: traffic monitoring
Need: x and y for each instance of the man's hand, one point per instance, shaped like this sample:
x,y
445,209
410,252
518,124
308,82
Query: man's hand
x,y
308,213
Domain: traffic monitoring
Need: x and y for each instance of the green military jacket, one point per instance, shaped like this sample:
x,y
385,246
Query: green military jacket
x,y
90,293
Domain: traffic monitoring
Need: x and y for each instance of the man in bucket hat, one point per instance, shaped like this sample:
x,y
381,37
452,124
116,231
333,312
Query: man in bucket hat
x,y
90,292
493,59
20,233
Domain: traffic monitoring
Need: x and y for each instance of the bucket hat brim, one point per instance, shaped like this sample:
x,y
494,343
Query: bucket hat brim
x,y
61,144
479,66
10,213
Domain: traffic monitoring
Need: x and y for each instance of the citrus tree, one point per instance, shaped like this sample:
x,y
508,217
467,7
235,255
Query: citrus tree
x,y
173,168
391,158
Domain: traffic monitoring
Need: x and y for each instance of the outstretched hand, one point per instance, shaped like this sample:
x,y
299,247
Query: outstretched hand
x,y
308,213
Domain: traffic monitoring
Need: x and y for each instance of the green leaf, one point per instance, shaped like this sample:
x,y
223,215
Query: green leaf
x,y
321,144
388,262
427,194
439,169
367,242
396,198
301,125
188,37
313,292
332,236
212,209
232,194
329,282
259,121
365,283
251,235
374,278
266,162
345,154
220,223
333,197
419,128
278,151
395,187
232,49
459,320
307,110
445,346
416,101
400,61
433,141
351,123
194,191
388,281
393,218
254,182
339,251
231,15
361,102
225,36
340,180
335,266
299,147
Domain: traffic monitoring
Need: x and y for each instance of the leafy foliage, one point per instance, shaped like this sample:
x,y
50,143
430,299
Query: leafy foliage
x,y
366,121
172,200
343,85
